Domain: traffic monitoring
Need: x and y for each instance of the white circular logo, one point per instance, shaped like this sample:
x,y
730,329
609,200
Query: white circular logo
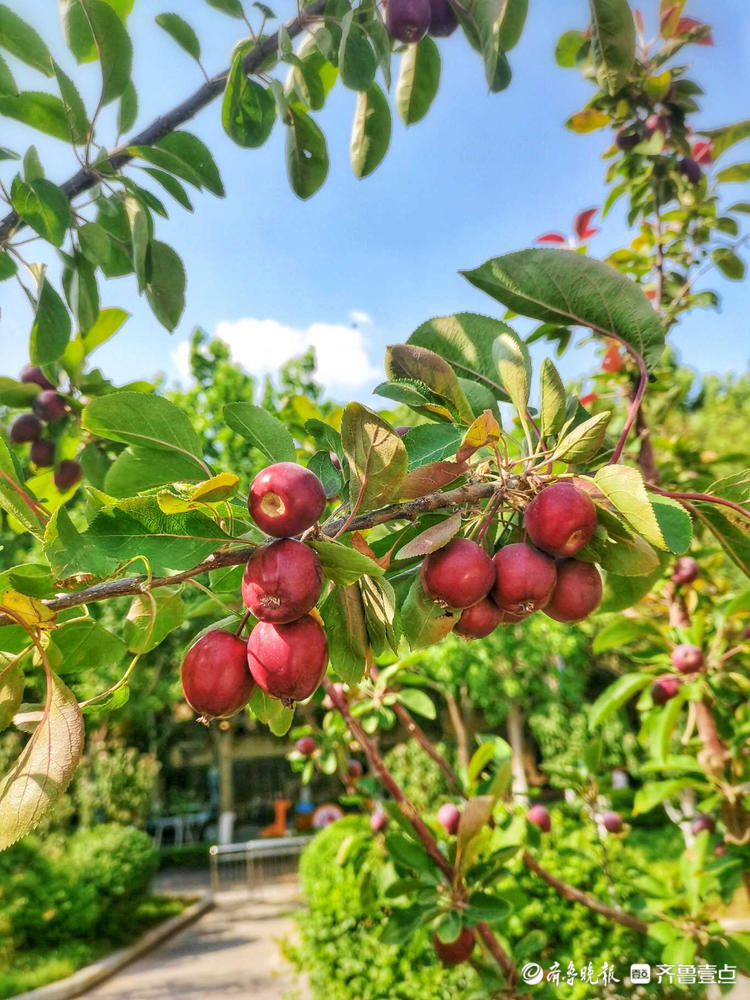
x,y
532,973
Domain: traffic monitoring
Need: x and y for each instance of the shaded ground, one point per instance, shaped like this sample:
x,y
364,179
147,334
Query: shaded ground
x,y
232,950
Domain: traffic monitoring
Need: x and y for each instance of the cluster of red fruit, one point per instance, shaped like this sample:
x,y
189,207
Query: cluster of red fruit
x,y
689,166
686,658
287,652
48,406
410,20
521,578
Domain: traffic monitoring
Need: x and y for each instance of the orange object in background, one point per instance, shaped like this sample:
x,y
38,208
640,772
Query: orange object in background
x,y
278,827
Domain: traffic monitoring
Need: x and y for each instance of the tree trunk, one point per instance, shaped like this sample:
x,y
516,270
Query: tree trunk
x,y
226,784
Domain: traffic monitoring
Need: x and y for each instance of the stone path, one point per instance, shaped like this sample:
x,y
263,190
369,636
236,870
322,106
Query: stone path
x,y
232,950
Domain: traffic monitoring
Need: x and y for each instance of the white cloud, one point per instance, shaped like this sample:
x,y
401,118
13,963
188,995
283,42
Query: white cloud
x,y
360,318
261,346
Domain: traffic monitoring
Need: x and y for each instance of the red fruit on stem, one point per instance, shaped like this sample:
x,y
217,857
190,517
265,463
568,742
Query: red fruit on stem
x,y
612,360
49,405
686,570
286,499
701,822
539,816
448,817
626,139
453,953
664,689
42,453
33,373
288,661
479,620
720,850
282,581
305,744
525,578
612,822
215,678
459,574
407,20
378,821
443,21
686,658
354,769
67,475
561,519
25,428
508,618
655,123
578,592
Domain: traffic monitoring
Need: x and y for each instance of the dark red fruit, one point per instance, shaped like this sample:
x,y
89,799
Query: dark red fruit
x,y
49,405
686,570
42,453
612,360
448,817
701,822
690,169
459,574
354,769
664,689
407,20
720,850
443,21
577,593
288,661
561,519
612,822
25,428
479,620
282,581
378,821
33,373
626,140
525,579
539,816
305,744
452,953
286,499
67,475
215,678
686,658
655,123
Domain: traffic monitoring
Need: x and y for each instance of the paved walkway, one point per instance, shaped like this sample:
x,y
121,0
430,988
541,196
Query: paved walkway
x,y
232,950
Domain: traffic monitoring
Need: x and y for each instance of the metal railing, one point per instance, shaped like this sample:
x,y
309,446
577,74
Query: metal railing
x,y
255,863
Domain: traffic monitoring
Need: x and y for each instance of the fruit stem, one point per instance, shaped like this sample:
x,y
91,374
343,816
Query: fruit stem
x,y
243,623
634,406
705,497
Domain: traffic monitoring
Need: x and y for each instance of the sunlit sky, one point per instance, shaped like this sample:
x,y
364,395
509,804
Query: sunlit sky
x,y
363,263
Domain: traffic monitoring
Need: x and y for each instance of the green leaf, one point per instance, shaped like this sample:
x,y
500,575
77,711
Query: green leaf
x,y
262,430
40,775
343,564
569,288
465,341
661,734
722,138
622,592
13,393
142,419
402,925
424,367
138,220
730,265
406,853
43,206
584,441
346,629
486,906
231,7
424,622
11,690
510,23
674,523
568,46
587,120
622,631
94,242
181,32
418,80
612,42
655,792
248,110
165,284
376,454
172,186
107,324
50,331
8,267
81,291
76,640
306,154
616,695
371,131
137,527
514,369
731,530
151,618
70,552
12,492
624,488
22,41
357,61
41,111
553,399
113,46
127,112
418,702
379,601
738,173
75,110
7,83
192,151
431,443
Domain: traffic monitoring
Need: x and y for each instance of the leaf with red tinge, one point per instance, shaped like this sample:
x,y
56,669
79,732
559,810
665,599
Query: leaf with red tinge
x,y
669,15
581,224
359,543
551,238
429,478
690,24
485,430
432,539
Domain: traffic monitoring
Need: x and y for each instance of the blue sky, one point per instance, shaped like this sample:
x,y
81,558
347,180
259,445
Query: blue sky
x,y
481,175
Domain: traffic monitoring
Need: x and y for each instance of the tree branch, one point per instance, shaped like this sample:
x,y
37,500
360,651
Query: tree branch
x,y
409,510
85,179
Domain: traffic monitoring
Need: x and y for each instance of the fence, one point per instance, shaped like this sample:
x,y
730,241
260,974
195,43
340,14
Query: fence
x,y
256,864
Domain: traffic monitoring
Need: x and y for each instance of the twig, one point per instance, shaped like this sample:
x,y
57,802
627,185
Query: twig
x,y
704,497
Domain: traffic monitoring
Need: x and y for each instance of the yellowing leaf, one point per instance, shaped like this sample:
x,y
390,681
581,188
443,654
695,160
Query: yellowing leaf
x,y
217,488
485,430
171,504
624,488
27,611
588,120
